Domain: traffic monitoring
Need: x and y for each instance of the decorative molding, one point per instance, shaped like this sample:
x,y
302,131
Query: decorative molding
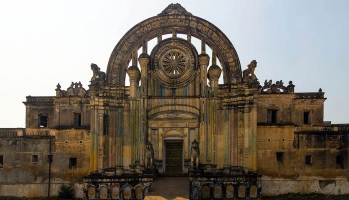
x,y
173,132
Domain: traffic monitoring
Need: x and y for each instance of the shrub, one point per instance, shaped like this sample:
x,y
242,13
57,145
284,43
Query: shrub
x,y
66,191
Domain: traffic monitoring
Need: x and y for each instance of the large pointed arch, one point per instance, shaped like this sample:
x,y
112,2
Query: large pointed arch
x,y
173,18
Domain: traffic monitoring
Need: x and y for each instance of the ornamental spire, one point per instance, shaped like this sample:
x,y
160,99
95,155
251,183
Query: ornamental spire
x,y
176,9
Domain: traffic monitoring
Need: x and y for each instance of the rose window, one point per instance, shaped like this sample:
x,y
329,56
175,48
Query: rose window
x,y
174,63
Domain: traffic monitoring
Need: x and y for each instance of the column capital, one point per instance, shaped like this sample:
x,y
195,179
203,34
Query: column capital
x,y
143,59
204,59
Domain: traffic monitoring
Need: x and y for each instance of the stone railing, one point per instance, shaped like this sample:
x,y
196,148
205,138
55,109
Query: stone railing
x,y
11,132
18,132
310,95
228,183
332,127
117,183
40,99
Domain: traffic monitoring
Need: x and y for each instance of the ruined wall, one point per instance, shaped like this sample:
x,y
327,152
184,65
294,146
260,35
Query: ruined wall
x,y
25,160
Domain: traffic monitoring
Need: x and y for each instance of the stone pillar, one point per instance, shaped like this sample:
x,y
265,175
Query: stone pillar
x,y
112,137
126,149
203,60
133,73
143,62
253,139
247,133
94,104
233,124
99,122
203,143
94,139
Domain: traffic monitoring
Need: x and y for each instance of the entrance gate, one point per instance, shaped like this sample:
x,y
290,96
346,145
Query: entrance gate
x,y
174,158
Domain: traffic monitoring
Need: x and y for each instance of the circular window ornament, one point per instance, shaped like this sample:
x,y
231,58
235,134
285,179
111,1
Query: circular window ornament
x,y
174,62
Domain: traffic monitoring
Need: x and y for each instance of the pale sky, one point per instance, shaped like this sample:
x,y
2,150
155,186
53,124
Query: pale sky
x,y
43,43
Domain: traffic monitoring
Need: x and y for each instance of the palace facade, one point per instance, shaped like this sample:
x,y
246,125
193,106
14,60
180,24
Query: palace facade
x,y
172,100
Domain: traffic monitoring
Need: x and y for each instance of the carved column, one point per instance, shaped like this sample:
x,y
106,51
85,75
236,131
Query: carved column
x,y
101,161
204,143
143,62
95,128
133,73
203,60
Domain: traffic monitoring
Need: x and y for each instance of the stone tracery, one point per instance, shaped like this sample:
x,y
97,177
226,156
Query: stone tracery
x,y
163,24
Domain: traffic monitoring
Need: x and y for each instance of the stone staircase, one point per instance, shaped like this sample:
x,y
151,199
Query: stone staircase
x,y
164,188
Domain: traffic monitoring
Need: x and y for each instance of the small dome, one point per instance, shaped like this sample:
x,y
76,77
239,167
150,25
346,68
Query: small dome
x,y
214,72
133,68
144,55
133,71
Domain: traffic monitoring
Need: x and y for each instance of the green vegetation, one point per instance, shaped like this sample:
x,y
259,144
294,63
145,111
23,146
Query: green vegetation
x,y
66,192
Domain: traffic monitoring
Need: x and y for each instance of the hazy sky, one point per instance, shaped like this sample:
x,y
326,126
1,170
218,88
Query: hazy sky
x,y
43,43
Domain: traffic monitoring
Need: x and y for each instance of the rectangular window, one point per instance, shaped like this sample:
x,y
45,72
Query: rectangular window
x,y
1,161
308,160
339,162
43,120
77,119
72,162
35,158
272,116
306,118
280,156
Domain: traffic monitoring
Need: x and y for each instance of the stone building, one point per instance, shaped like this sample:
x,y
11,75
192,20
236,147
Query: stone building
x,y
174,99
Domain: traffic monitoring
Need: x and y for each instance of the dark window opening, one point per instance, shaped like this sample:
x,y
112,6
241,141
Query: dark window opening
x,y
77,119
280,156
105,124
308,160
272,116
43,119
339,162
72,162
1,161
306,118
50,158
35,158
173,92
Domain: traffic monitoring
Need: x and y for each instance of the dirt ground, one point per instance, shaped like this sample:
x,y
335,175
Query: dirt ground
x,y
314,196
280,197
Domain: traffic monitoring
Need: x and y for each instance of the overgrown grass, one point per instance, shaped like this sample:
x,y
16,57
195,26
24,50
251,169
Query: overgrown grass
x,y
66,191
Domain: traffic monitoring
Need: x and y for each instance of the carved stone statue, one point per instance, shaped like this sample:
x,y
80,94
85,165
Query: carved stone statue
x,y
98,76
149,156
248,74
195,155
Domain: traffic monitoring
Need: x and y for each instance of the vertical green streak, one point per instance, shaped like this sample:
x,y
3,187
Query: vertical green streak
x,y
139,127
132,130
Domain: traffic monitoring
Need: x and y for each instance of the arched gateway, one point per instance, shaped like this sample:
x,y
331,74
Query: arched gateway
x,y
173,99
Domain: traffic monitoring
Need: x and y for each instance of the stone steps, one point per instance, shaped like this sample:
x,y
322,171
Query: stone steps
x,y
164,188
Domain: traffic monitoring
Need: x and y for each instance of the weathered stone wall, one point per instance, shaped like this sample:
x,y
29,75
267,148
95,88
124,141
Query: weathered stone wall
x,y
25,170
37,190
60,111
304,185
